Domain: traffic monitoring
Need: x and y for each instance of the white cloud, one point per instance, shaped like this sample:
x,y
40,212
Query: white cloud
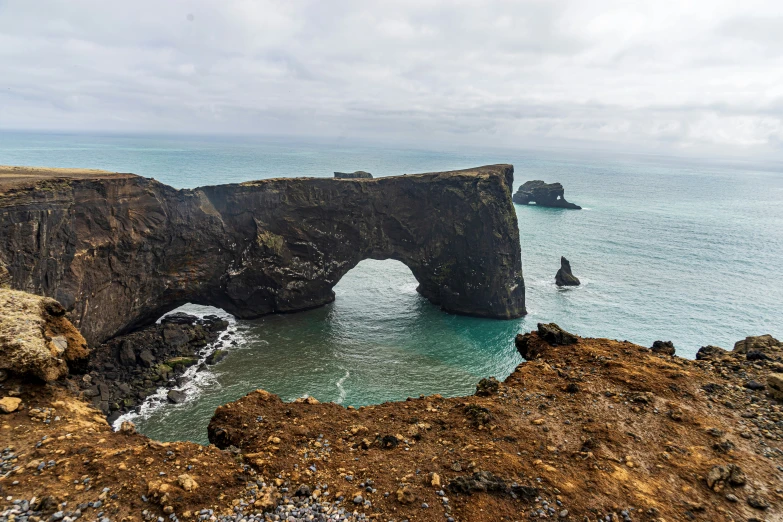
x,y
663,75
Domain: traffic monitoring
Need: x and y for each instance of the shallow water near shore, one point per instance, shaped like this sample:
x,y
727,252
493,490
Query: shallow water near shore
x,y
666,248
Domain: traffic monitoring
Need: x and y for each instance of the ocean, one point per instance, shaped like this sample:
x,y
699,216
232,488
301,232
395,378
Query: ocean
x,y
667,248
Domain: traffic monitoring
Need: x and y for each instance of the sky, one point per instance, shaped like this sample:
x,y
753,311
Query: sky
x,y
701,77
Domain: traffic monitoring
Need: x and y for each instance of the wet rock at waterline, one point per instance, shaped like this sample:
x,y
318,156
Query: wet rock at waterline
x,y
564,277
176,396
543,195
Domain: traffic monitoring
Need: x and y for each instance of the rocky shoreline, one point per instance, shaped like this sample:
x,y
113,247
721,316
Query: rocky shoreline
x,y
123,372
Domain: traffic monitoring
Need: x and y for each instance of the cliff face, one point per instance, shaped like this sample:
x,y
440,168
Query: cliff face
x,y
118,251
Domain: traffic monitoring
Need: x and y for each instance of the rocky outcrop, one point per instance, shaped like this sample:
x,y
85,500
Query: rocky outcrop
x,y
36,338
543,194
532,345
761,347
359,174
564,277
663,347
119,251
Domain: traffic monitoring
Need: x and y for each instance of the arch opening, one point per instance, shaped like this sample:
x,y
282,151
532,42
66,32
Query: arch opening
x,y
378,287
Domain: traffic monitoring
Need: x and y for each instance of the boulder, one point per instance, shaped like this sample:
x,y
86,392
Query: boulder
x,y
359,174
147,358
487,387
127,355
216,356
35,336
180,318
556,336
710,352
531,345
543,194
175,335
9,404
176,396
564,277
663,347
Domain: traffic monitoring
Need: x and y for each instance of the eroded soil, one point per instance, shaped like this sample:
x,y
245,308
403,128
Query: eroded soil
x,y
584,431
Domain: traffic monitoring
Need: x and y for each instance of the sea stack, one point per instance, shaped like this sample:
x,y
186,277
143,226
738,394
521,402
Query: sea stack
x,y
359,174
543,194
564,277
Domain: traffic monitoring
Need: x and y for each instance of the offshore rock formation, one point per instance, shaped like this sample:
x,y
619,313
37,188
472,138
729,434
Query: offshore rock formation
x,y
564,277
35,337
543,194
359,174
119,250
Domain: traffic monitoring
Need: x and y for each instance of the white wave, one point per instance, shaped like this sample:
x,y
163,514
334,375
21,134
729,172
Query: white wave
x,y
340,388
196,380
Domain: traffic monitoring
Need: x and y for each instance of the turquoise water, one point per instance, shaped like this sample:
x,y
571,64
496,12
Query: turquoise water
x,y
672,249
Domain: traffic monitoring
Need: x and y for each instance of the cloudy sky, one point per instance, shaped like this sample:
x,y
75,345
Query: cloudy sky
x,y
688,76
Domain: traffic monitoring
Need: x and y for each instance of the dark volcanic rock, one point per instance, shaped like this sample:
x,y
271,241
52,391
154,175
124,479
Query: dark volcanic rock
x,y
531,345
164,351
564,277
710,351
663,347
175,396
122,250
486,482
359,174
543,194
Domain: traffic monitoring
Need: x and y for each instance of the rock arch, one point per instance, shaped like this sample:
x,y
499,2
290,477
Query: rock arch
x,y
120,250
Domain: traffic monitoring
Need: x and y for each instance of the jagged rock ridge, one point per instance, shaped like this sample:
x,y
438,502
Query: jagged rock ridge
x,y
543,194
119,251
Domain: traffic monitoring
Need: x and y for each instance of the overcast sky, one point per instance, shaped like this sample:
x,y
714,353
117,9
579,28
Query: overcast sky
x,y
702,77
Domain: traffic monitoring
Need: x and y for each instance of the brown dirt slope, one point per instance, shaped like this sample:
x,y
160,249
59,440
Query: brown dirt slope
x,y
586,430
582,431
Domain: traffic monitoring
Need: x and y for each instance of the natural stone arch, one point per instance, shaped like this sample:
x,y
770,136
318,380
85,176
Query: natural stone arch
x,y
121,250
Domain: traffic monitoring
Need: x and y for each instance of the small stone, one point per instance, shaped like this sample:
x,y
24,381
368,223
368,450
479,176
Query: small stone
x,y
405,495
358,499
187,483
564,513
758,503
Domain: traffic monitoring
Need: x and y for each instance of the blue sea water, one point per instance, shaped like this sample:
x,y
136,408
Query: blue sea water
x,y
666,248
